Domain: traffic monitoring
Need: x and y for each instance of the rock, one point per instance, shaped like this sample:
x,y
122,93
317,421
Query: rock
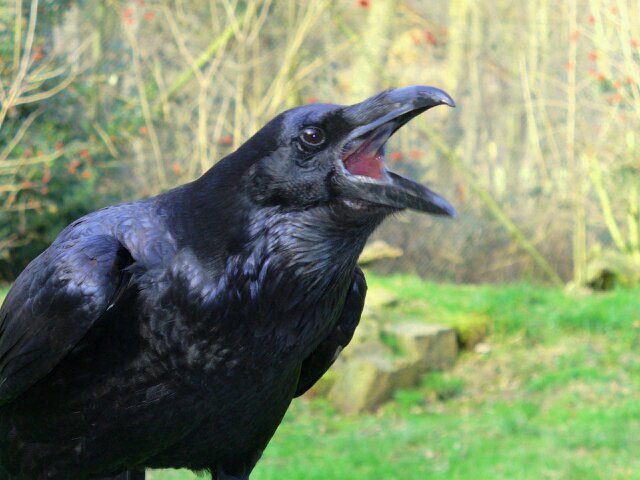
x,y
406,373
435,346
369,347
377,299
378,250
367,377
368,331
482,348
471,328
363,382
367,373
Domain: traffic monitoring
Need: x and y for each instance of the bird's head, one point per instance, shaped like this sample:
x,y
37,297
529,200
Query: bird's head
x,y
333,154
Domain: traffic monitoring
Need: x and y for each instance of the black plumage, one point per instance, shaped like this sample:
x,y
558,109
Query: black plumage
x,y
175,331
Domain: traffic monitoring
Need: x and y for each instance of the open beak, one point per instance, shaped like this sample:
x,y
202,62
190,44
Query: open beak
x,y
365,175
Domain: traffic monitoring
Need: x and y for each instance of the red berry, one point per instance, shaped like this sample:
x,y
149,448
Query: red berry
x,y
430,38
226,140
127,16
615,98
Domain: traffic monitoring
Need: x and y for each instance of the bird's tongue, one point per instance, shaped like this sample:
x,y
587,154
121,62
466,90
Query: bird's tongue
x,y
367,160
366,164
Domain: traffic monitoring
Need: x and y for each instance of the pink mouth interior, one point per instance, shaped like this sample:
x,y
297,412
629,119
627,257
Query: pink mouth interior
x,y
365,164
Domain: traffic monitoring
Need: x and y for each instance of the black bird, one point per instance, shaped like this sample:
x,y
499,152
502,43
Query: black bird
x,y
175,331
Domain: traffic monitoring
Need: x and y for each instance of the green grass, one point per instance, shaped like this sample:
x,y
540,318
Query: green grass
x,y
540,313
556,394
568,410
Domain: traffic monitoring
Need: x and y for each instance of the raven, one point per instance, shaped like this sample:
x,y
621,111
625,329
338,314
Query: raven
x,y
174,331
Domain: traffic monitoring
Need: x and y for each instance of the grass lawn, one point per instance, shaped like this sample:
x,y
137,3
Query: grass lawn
x,y
555,393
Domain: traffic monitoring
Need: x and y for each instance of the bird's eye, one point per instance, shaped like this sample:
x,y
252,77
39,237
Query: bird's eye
x,y
313,136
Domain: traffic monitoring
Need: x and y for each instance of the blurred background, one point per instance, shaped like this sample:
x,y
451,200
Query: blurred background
x,y
105,101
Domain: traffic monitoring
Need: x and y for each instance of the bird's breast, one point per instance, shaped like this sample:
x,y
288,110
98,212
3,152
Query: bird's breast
x,y
265,312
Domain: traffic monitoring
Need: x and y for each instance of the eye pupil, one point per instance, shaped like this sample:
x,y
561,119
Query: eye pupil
x,y
312,136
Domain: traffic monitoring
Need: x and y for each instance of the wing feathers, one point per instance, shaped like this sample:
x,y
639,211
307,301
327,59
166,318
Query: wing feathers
x,y
54,303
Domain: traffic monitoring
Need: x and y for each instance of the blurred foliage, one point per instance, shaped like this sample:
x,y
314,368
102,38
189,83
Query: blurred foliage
x,y
443,386
119,99
52,159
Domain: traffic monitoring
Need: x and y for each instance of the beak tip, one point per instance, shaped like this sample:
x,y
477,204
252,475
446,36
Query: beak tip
x,y
443,207
431,96
449,211
440,97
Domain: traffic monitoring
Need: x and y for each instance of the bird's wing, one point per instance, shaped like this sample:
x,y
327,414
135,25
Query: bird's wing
x,y
316,364
54,303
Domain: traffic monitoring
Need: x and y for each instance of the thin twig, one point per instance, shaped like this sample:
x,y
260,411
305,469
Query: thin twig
x,y
146,110
16,85
19,134
182,79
